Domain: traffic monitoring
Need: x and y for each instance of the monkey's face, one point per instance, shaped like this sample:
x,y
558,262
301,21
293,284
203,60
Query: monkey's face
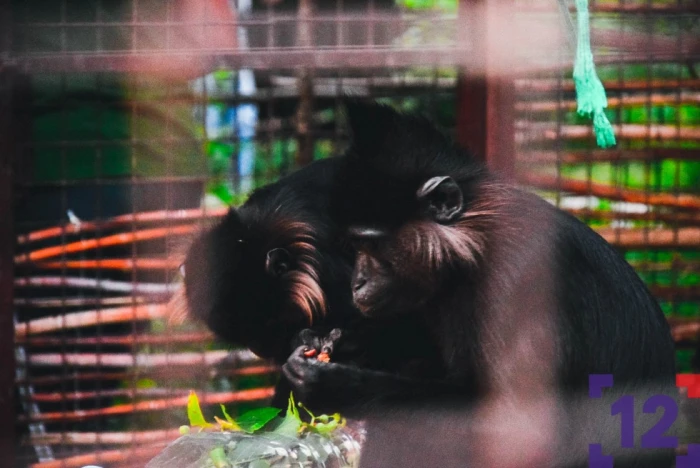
x,y
413,204
255,283
401,267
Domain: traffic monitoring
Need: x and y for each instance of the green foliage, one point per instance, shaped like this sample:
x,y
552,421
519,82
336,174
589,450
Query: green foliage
x,y
290,424
254,420
218,457
221,190
146,383
684,358
445,5
225,413
194,412
323,424
658,176
78,108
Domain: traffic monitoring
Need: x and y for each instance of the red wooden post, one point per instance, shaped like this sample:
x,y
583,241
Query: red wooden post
x,y
485,97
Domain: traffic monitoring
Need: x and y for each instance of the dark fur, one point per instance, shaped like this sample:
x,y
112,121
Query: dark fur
x,y
510,287
227,286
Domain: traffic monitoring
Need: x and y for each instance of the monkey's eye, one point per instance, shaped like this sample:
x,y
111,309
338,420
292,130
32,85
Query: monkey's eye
x,y
181,269
278,262
366,245
368,239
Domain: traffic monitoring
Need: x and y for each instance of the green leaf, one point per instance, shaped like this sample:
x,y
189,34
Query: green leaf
x,y
254,420
230,423
194,412
292,409
226,425
291,423
146,383
325,424
218,457
226,415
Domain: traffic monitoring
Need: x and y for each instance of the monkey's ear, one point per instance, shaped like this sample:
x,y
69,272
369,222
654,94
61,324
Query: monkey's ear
x,y
441,199
369,122
278,262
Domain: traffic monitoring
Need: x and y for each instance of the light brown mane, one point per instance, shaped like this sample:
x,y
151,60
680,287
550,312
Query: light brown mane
x,y
303,283
435,246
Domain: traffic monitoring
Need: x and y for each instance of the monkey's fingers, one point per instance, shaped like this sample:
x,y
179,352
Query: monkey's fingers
x,y
293,368
300,356
294,379
329,342
309,338
335,334
302,373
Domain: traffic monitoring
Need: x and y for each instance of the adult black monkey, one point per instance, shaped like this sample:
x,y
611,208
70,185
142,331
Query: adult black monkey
x,y
272,267
507,285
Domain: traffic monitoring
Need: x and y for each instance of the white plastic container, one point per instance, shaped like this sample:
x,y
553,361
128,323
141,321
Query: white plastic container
x,y
340,449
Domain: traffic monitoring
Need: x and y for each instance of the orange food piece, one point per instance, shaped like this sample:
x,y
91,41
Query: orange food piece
x,y
324,357
310,353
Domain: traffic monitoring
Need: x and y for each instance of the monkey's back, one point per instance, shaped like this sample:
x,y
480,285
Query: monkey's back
x,y
616,325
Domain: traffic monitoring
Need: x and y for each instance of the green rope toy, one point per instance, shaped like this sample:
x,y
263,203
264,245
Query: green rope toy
x,y
590,93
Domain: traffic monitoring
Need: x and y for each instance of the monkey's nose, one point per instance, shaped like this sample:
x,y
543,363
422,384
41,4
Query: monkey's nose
x,y
358,283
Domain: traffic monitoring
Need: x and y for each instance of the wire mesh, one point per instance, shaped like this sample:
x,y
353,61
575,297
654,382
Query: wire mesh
x,y
144,119
642,196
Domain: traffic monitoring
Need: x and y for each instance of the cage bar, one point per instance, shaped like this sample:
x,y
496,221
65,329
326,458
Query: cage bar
x,y
7,242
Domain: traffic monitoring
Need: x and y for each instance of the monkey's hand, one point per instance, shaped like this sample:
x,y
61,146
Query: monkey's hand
x,y
343,345
312,341
333,386
322,386
309,338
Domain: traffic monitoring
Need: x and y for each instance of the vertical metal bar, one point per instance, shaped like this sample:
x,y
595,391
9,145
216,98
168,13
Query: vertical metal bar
x,y
7,242
11,357
134,22
64,292
338,130
675,273
63,22
99,30
560,114
485,99
340,24
371,25
567,23
270,12
246,112
99,103
304,114
5,30
651,256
